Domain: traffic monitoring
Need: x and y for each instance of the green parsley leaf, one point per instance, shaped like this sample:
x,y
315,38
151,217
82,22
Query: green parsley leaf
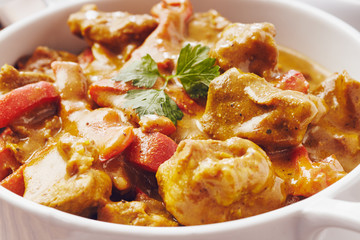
x,y
143,73
153,101
196,70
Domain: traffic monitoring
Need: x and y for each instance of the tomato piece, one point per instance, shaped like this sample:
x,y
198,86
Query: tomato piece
x,y
312,177
15,181
294,80
23,99
114,142
86,57
8,163
150,150
184,102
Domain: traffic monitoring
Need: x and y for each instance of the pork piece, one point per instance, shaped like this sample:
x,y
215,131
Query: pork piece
x,y
11,78
70,81
338,131
246,105
144,211
165,43
214,24
24,139
116,169
108,128
249,47
63,176
209,181
154,123
114,30
105,126
72,85
41,59
98,62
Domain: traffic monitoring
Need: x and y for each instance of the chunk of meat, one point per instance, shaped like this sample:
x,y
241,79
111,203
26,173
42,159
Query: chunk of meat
x,y
105,126
338,131
24,138
189,128
116,169
143,211
72,85
11,78
233,178
246,105
341,94
62,176
114,30
98,62
41,59
249,47
164,44
155,123
70,80
214,24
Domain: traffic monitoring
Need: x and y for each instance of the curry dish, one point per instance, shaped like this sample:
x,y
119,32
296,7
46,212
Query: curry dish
x,y
173,118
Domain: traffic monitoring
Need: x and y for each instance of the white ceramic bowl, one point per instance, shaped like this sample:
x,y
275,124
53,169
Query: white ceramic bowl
x,y
323,38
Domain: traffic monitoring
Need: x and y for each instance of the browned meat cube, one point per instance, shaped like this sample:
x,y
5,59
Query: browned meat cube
x,y
208,181
11,78
246,105
214,24
144,211
339,129
114,30
41,59
249,47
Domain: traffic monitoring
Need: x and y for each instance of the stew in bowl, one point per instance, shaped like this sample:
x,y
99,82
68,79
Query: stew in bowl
x,y
173,118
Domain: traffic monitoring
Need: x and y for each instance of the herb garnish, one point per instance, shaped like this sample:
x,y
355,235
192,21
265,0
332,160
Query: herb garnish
x,y
195,70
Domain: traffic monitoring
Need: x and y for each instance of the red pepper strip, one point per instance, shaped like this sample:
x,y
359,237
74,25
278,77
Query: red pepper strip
x,y
150,150
23,99
101,90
